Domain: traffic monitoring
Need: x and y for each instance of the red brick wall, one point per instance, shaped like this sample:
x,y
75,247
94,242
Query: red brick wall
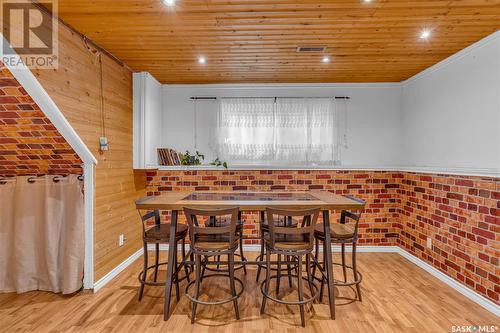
x,y
462,217
379,189
29,143
461,214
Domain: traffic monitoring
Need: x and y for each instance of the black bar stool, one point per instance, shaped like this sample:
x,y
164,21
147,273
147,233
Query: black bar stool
x,y
215,241
157,234
214,221
342,233
285,221
290,242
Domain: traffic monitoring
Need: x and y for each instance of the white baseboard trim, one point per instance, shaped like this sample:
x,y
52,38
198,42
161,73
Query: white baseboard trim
x,y
117,270
367,248
462,289
466,291
256,248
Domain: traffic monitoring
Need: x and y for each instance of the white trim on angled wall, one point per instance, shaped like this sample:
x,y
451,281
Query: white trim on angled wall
x,y
36,91
40,96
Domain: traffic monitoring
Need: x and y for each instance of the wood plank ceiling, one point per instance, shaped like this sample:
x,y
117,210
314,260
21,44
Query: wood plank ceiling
x,y
255,40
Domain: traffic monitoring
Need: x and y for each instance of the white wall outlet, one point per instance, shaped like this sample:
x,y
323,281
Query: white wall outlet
x,y
121,240
429,243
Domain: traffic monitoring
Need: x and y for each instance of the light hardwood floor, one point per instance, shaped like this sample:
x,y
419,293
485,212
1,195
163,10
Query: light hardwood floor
x,y
397,297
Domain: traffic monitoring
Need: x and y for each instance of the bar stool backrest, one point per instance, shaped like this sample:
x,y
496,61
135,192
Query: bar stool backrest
x,y
196,229
144,219
278,232
345,216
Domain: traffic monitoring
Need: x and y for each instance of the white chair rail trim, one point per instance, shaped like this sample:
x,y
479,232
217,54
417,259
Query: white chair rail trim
x,y
474,172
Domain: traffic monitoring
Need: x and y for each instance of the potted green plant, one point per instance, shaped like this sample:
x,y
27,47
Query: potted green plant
x,y
188,159
218,162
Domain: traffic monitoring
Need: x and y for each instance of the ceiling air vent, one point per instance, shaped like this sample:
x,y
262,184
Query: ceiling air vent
x,y
309,48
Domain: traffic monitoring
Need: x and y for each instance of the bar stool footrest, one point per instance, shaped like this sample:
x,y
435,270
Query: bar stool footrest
x,y
224,301
158,283
340,283
206,264
284,267
277,300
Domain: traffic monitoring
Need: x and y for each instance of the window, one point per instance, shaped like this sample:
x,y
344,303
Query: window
x,y
279,131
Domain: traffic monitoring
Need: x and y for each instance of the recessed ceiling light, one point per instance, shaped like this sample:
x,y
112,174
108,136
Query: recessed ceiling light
x,y
326,59
424,34
202,60
367,0
169,2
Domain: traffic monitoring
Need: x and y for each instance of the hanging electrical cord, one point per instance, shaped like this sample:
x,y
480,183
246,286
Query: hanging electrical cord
x,y
103,141
101,86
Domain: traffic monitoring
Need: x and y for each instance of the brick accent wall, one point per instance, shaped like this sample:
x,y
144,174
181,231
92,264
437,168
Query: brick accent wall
x,y
462,217
29,143
461,214
379,189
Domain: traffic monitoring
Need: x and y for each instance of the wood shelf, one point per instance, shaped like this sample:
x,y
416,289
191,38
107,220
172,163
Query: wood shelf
x,y
187,167
421,169
254,167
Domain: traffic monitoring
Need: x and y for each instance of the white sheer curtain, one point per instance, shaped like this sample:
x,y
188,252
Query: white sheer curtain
x,y
245,130
282,131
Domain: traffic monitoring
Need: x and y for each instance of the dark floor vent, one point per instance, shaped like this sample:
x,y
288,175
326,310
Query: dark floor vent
x,y
309,48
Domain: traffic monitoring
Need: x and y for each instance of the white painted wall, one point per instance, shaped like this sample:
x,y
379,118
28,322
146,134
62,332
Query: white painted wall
x,y
445,119
451,111
147,114
373,116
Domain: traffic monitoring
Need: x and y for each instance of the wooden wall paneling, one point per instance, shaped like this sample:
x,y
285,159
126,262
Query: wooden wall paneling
x,y
256,41
74,87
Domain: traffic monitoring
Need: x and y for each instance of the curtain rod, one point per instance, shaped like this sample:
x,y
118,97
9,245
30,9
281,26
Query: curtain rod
x,y
56,179
214,98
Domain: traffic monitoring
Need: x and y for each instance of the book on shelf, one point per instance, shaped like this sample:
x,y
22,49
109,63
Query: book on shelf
x,y
161,156
168,157
175,157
